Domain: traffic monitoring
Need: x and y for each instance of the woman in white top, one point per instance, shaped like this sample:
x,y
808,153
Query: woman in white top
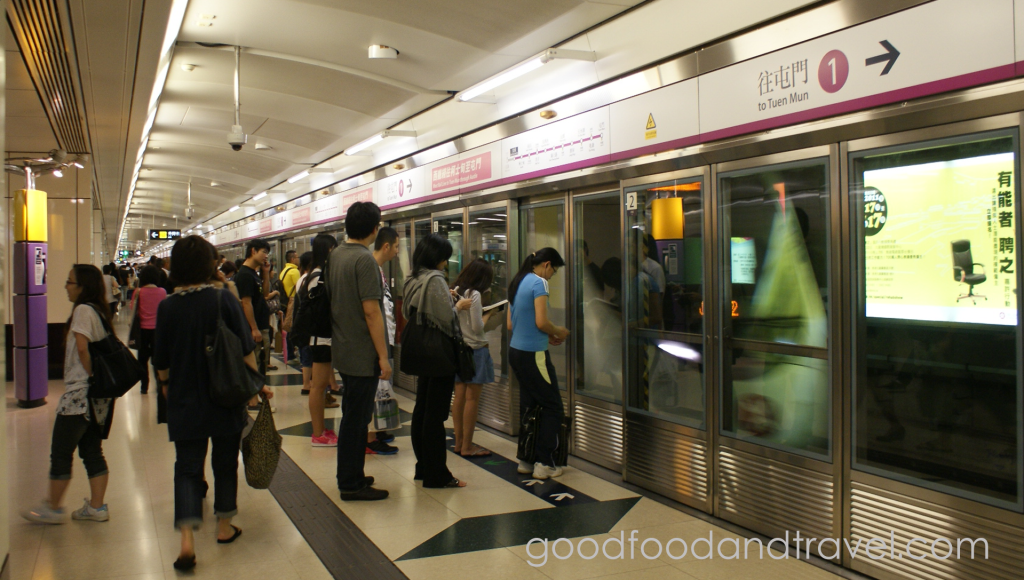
x,y
81,422
112,287
474,281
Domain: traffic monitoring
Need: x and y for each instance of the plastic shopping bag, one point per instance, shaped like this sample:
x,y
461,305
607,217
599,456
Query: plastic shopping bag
x,y
386,415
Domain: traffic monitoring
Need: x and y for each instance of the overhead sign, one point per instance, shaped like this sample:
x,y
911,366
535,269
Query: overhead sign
x,y
576,142
164,234
937,47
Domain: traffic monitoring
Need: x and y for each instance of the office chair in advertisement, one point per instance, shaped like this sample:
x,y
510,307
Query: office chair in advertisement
x,y
963,270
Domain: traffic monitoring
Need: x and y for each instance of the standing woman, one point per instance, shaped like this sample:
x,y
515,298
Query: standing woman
x,y
529,358
472,283
112,287
144,303
82,422
319,344
427,297
184,320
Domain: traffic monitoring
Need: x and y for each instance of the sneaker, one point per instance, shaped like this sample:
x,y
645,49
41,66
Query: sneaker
x,y
385,437
330,433
324,441
380,448
44,514
525,467
366,494
87,512
541,471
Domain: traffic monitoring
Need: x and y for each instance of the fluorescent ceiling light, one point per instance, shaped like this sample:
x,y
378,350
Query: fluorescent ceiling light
x,y
58,173
367,143
302,175
523,68
259,196
235,208
78,165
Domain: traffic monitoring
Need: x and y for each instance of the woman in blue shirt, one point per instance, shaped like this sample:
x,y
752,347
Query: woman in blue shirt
x,y
528,355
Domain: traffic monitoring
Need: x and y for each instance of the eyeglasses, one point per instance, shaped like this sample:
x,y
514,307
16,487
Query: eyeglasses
x,y
70,283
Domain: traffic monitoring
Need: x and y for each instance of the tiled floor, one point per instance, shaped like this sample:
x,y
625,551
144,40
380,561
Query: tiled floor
x,y
139,542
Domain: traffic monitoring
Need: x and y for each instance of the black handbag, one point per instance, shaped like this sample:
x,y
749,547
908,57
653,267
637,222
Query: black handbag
x,y
528,429
426,351
115,370
232,382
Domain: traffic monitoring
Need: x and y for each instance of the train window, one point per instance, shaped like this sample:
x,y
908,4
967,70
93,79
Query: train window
x,y
937,398
774,279
487,240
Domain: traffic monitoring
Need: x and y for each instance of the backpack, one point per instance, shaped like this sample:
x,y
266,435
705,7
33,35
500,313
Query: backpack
x,y
312,314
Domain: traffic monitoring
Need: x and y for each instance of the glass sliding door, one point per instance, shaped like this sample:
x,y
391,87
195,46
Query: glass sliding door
x,y
936,390
597,272
774,280
542,225
451,227
487,240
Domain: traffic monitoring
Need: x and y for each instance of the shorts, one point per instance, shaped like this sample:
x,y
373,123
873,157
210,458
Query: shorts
x,y
484,367
305,358
320,353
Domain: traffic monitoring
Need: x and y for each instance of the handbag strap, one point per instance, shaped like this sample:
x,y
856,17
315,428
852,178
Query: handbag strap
x,y
103,320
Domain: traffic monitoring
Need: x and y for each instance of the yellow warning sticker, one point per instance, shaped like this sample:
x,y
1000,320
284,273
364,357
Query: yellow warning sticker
x,y
652,131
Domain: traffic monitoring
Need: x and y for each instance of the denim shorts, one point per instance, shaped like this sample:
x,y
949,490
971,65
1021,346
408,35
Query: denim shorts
x,y
484,367
306,357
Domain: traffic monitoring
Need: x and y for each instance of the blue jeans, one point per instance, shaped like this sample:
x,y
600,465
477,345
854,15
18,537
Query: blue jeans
x,y
357,410
189,487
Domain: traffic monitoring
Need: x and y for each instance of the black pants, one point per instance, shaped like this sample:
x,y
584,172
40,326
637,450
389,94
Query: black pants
x,y
145,353
536,389
433,403
357,410
189,486
71,432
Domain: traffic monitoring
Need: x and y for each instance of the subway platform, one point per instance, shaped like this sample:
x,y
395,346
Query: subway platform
x,y
301,529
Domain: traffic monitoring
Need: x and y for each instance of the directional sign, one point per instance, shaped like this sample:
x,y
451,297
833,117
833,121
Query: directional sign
x,y
943,46
164,234
532,482
561,496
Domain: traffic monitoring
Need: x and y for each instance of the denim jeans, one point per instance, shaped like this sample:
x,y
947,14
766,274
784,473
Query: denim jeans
x,y
433,403
538,386
357,410
189,487
71,432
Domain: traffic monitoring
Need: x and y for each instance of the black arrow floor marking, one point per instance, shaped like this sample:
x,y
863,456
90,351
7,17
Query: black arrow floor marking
x,y
891,54
516,529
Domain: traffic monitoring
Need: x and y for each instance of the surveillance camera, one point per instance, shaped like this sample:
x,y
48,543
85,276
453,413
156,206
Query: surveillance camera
x,y
237,137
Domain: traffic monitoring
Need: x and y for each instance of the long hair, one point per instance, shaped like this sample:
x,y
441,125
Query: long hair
x,y
430,251
477,275
94,292
532,261
322,246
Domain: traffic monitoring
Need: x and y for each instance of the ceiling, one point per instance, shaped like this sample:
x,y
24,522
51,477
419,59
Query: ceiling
x,y
308,89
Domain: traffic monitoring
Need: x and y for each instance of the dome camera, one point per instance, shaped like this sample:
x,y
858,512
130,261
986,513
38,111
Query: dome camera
x,y
236,138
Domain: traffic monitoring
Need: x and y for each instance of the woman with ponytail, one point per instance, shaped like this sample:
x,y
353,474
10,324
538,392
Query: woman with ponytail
x,y
528,355
81,422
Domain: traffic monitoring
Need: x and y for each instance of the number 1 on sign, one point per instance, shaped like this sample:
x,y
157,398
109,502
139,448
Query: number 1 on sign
x,y
832,67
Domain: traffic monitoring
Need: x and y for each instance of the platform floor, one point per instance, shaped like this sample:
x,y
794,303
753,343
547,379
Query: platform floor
x,y
476,532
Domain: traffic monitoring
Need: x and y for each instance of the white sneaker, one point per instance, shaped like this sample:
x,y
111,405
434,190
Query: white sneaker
x,y
87,512
525,467
44,514
541,471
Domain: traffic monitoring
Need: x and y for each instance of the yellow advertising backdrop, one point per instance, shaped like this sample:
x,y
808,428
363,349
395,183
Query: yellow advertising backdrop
x,y
912,217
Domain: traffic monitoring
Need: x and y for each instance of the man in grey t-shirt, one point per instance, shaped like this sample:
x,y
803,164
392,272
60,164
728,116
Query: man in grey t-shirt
x,y
359,344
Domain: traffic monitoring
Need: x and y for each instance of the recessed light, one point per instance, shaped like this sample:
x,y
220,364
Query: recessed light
x,y
204,23
187,67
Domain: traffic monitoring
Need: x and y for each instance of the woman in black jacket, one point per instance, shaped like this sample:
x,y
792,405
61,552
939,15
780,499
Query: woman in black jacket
x,y
184,320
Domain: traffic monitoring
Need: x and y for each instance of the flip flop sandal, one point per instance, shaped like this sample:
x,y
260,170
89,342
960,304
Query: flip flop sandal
x,y
480,452
238,532
185,564
454,483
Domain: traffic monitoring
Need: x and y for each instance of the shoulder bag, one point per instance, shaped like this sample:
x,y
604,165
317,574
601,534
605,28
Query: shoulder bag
x,y
115,369
426,351
312,316
232,382
261,449
135,332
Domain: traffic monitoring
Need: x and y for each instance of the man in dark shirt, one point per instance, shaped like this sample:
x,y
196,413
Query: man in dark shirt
x,y
253,283
359,344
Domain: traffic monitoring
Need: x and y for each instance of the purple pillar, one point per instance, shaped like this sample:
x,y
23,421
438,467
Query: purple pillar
x,y
30,336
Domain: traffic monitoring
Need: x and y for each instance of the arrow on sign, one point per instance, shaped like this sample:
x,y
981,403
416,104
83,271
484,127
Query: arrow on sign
x,y
532,482
561,496
891,54
493,462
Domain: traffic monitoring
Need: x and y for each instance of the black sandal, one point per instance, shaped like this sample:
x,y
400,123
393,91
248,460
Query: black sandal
x,y
238,532
451,484
185,563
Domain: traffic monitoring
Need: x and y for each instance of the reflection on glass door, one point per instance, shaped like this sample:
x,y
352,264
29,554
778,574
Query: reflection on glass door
x,y
450,227
937,399
598,253
775,291
487,240
400,268
663,282
543,226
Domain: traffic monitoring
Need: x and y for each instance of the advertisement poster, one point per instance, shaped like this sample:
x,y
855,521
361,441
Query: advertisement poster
x,y
940,241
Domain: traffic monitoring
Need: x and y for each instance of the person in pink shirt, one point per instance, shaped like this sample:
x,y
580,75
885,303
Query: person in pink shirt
x,y
147,297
